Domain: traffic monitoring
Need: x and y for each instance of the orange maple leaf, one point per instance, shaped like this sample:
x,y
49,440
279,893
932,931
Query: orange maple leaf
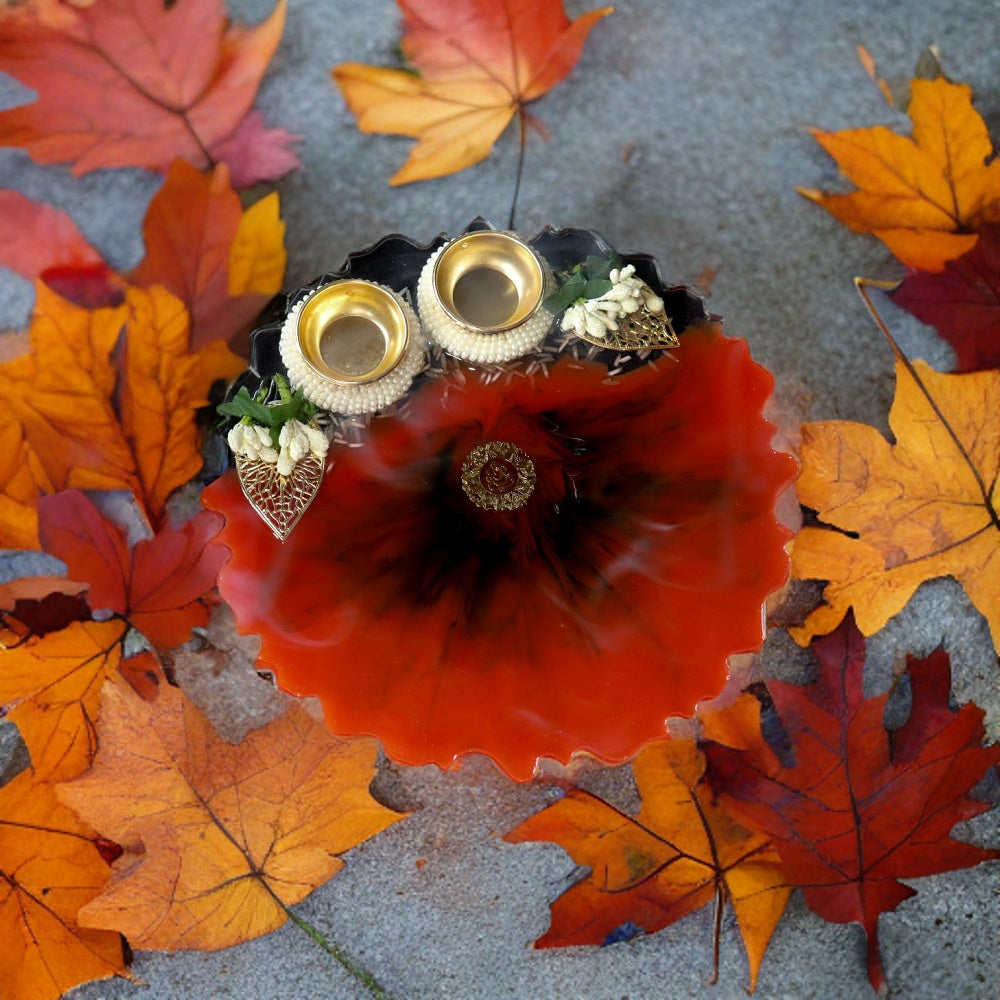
x,y
51,687
78,416
19,486
479,63
682,851
925,196
899,514
49,867
219,840
222,262
142,82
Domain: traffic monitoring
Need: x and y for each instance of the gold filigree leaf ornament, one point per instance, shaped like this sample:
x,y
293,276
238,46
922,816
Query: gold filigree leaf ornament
x,y
280,452
605,303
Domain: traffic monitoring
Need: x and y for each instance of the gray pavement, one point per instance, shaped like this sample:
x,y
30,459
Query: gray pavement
x,y
681,134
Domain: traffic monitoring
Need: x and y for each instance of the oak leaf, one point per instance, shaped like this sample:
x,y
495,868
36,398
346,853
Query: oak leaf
x,y
857,809
222,262
51,688
924,196
157,584
50,865
479,62
93,407
220,840
895,515
682,851
141,83
962,302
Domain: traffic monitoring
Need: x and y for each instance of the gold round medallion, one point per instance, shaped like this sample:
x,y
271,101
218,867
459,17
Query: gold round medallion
x,y
498,476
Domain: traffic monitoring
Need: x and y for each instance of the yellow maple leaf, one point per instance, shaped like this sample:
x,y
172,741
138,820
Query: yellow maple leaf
x,y
51,688
479,62
49,867
78,420
219,839
257,255
922,196
161,386
923,507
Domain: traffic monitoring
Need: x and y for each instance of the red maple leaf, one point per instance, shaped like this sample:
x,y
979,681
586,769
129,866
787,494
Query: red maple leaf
x,y
859,809
41,241
157,584
142,82
962,302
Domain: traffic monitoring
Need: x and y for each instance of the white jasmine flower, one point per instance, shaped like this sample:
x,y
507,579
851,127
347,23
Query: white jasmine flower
x,y
254,442
235,439
296,440
319,443
596,317
269,455
293,441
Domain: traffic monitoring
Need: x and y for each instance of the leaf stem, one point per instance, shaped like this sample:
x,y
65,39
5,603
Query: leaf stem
x,y
862,285
363,976
520,165
720,902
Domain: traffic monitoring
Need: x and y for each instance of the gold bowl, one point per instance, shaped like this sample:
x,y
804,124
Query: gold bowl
x,y
488,282
352,332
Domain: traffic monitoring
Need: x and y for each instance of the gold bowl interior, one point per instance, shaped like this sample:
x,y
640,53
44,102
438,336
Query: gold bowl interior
x,y
488,282
352,332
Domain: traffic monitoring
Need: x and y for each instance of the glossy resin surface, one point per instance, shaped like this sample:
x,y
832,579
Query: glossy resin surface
x,y
576,617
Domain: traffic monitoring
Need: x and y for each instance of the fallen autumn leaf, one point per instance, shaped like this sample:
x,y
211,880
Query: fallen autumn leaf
x,y
858,808
680,853
219,840
895,515
140,83
478,63
923,197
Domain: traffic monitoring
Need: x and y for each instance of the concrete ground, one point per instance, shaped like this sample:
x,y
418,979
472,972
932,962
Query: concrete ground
x,y
681,134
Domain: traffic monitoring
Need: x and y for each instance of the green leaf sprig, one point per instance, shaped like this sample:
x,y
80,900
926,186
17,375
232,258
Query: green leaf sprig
x,y
254,409
589,280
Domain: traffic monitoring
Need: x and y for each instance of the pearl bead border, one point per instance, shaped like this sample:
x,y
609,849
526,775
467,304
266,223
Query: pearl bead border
x,y
363,397
483,348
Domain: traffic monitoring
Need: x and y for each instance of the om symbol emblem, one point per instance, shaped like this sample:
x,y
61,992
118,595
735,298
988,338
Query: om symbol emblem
x,y
498,476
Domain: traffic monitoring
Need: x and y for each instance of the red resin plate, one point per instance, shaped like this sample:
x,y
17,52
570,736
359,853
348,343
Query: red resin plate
x,y
579,621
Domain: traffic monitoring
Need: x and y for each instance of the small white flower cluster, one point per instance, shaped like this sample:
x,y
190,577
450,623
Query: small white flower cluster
x,y
596,317
295,441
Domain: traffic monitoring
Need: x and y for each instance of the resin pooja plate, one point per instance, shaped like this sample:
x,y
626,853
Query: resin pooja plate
x,y
515,498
